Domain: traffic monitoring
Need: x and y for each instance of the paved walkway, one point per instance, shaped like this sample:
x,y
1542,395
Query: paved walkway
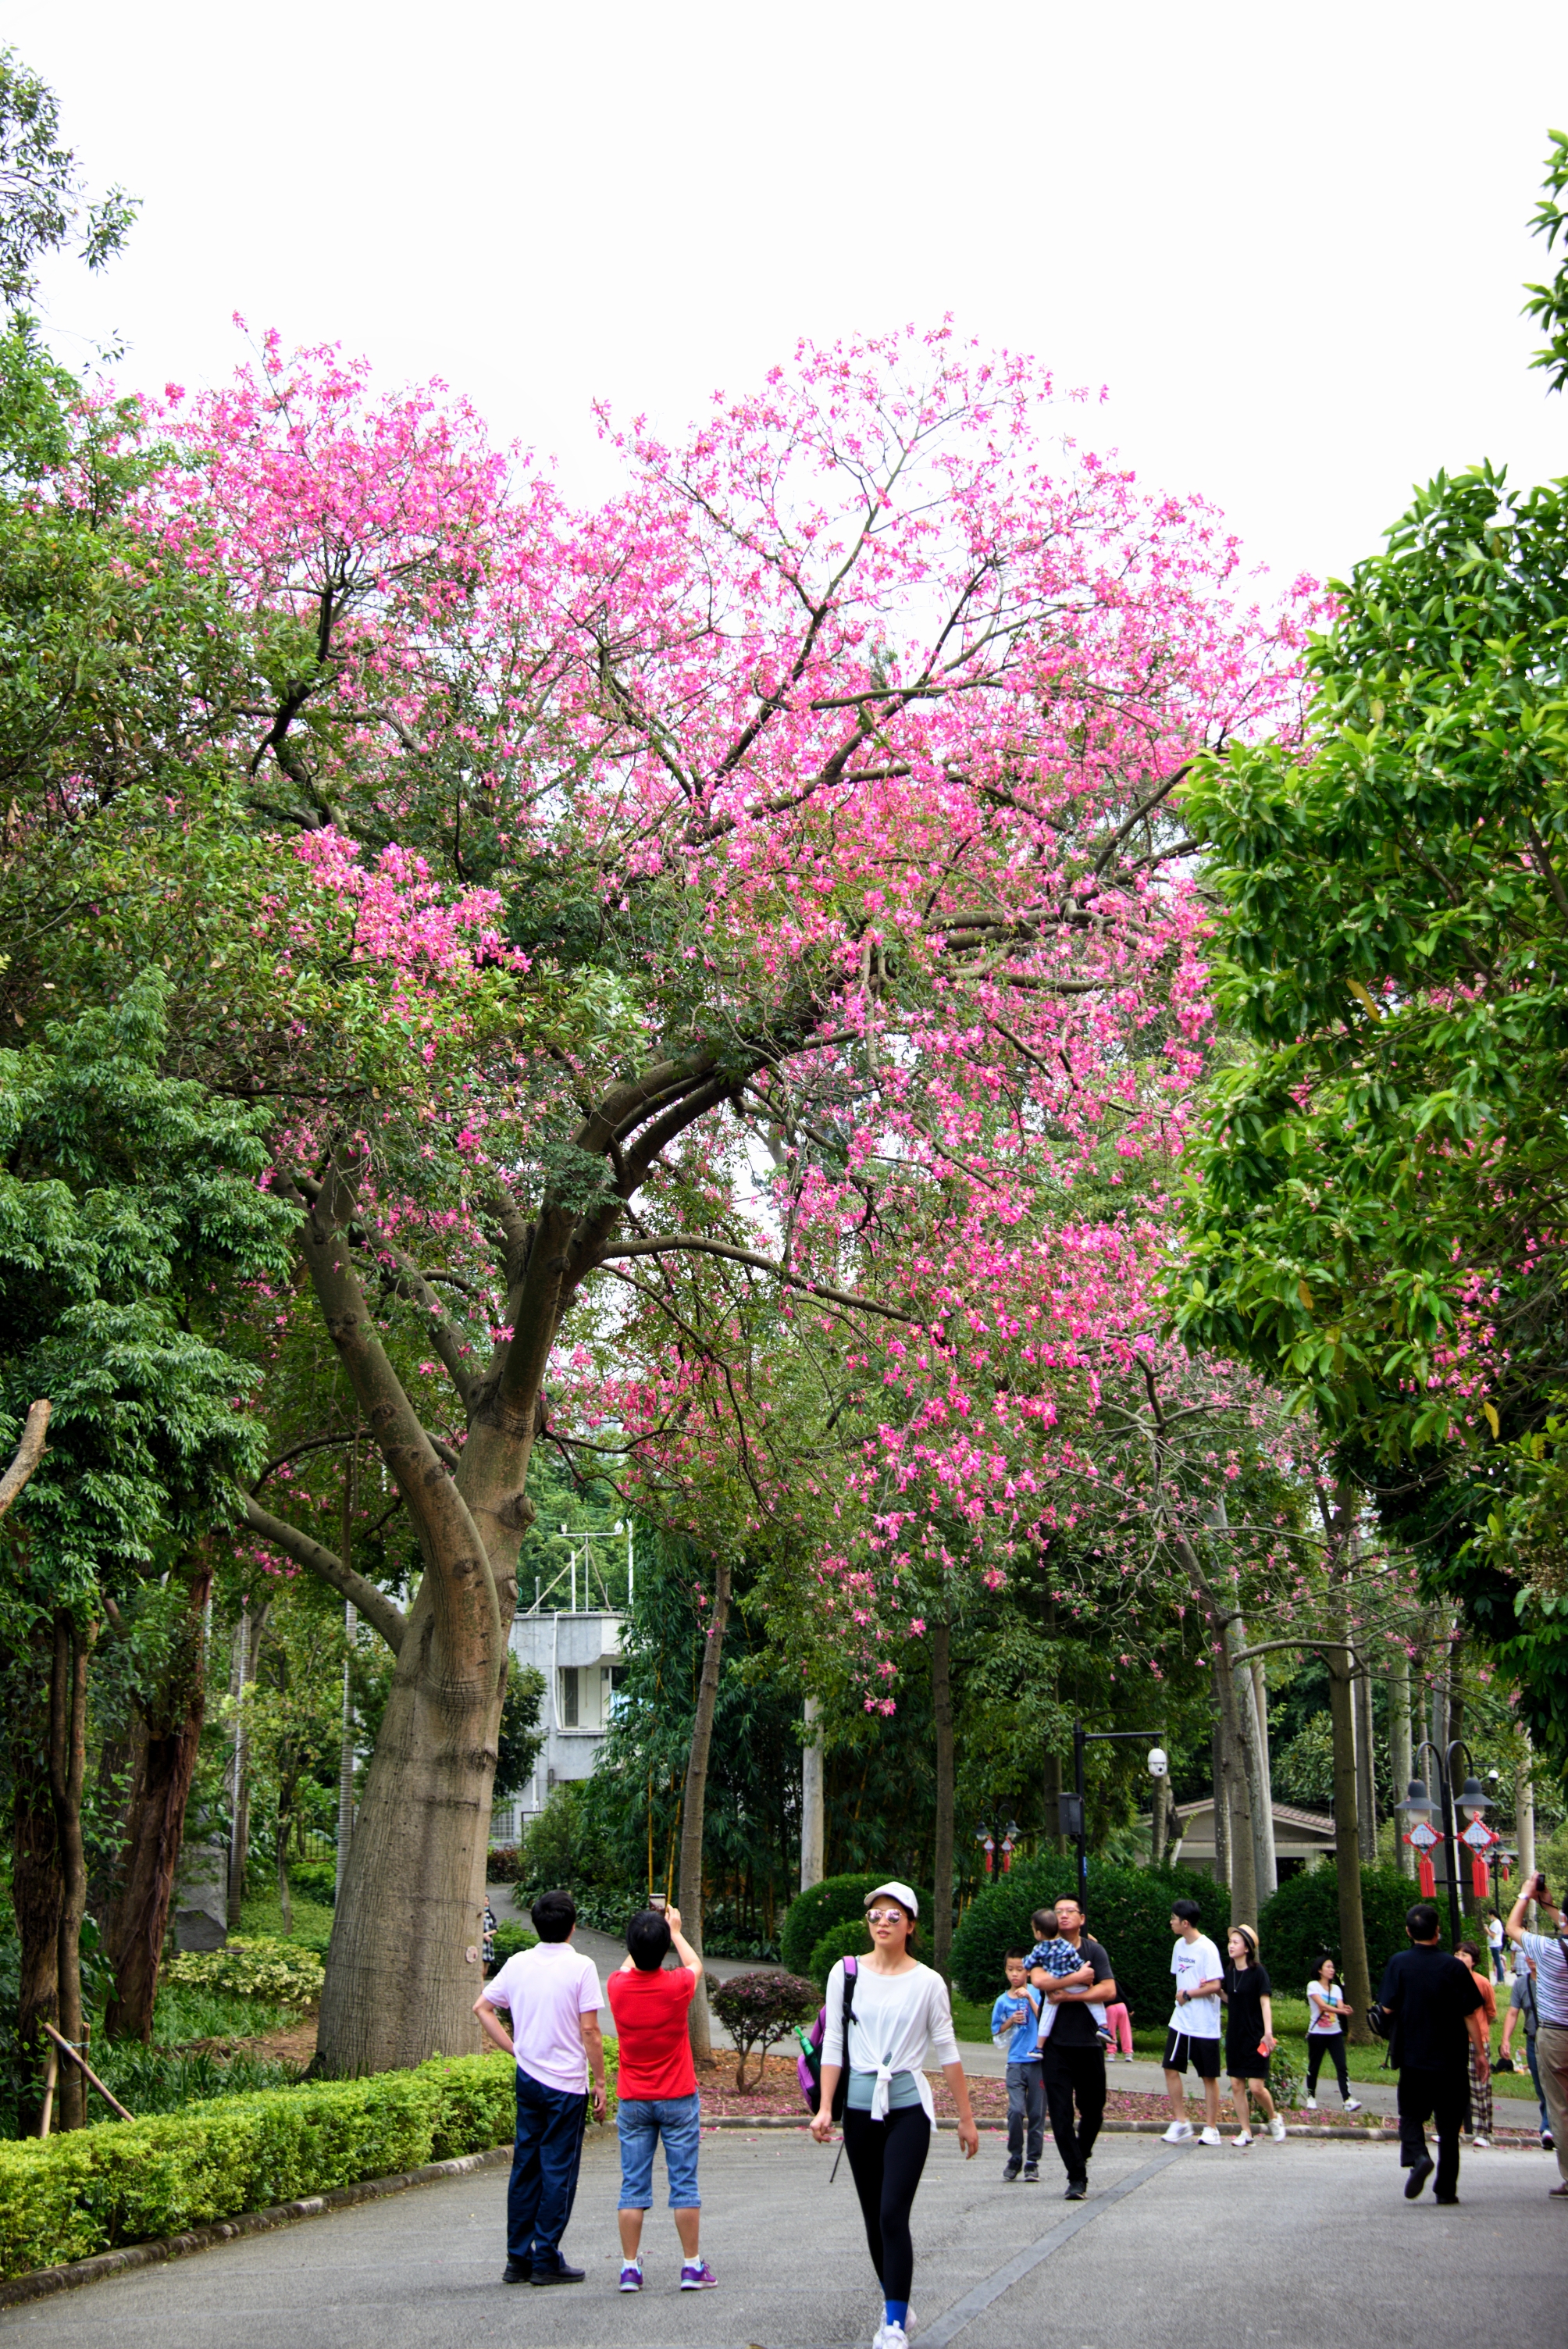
x,y
1287,2247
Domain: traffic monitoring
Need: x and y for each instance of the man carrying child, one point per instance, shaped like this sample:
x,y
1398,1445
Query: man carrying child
x,y
1075,1974
1016,2027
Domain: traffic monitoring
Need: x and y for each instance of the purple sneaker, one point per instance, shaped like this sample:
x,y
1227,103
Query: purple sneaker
x,y
698,2276
631,2275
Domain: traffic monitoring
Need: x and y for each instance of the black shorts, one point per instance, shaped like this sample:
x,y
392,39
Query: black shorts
x,y
1245,2063
1204,2052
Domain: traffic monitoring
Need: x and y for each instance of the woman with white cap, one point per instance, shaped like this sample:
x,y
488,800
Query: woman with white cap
x,y
898,2009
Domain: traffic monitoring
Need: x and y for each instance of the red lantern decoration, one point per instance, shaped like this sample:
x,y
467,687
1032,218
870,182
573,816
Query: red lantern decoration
x,y
1426,1879
1481,1879
1423,1837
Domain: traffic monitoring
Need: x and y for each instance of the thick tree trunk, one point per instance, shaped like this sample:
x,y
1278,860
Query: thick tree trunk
x,y
813,1806
1236,1773
68,1773
165,1763
1399,1752
345,1751
1051,1795
38,1894
1353,1967
693,1804
942,1863
1157,1817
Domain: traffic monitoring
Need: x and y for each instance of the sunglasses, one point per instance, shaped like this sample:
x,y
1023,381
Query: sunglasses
x,y
884,1917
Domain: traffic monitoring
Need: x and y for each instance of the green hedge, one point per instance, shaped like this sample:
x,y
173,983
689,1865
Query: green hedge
x,y
835,1900
68,2197
1129,1913
1300,1924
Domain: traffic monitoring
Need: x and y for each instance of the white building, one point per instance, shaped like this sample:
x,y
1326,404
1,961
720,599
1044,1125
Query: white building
x,y
578,1655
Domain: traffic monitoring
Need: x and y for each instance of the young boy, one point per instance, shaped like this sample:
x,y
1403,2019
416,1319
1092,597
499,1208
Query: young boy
x,y
1194,2032
1062,1962
1015,2028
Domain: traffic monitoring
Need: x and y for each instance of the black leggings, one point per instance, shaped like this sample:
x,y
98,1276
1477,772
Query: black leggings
x,y
1332,2045
886,2159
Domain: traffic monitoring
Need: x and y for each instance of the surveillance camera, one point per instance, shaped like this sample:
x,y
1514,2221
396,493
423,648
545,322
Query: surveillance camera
x,y
1159,1762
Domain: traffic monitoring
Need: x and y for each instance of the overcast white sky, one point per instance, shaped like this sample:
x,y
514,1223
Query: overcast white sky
x,y
1289,240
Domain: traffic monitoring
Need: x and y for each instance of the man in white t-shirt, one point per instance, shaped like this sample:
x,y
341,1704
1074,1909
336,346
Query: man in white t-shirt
x,y
1194,2033
552,1996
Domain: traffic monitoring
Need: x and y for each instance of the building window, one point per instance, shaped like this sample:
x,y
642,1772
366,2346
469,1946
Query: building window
x,y
569,1696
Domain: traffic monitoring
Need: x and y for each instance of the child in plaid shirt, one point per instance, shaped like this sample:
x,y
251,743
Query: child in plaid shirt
x,y
1059,1958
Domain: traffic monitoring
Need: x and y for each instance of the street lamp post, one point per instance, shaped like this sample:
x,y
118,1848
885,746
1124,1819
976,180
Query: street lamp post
x,y
1071,1820
1473,1801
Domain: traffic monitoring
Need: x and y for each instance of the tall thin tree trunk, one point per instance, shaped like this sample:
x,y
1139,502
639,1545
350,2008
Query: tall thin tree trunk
x,y
1366,1765
1051,1795
1250,1776
238,1779
942,1863
165,1763
1262,1797
38,1893
1353,1966
1235,1774
1156,1817
1524,1816
1399,1750
695,1801
813,1808
345,1749
1221,1801
68,1772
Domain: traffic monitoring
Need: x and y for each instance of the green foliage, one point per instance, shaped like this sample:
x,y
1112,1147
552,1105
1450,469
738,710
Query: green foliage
x,y
1300,1925
1548,304
849,1938
41,200
510,1938
148,2080
502,1864
256,1967
1304,1768
70,2196
186,2012
316,1878
1129,1915
833,1902
760,2010
564,1845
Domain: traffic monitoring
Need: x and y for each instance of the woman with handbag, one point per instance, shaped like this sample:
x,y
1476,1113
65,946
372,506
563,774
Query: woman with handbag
x,y
877,2086
1325,2035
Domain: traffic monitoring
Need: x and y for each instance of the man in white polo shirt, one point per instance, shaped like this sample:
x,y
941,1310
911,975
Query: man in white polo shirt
x,y
1551,1956
553,1998
1194,2033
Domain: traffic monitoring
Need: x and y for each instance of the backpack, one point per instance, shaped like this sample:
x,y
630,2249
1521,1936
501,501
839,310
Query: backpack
x,y
809,2063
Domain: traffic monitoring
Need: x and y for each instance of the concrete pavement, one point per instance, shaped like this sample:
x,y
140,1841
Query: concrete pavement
x,y
1286,2247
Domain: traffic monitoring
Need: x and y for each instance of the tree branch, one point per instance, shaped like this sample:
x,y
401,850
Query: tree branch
x,y
760,1264
372,1604
28,1453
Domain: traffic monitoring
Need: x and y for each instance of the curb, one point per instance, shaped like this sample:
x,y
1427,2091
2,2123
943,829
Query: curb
x,y
44,2281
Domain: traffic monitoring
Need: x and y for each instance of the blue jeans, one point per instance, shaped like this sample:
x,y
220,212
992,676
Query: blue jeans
x,y
544,2165
641,2121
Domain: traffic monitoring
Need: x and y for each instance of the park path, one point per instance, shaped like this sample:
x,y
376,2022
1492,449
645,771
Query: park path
x,y
1287,2247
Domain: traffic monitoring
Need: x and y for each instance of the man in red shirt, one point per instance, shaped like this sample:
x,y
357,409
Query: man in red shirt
x,y
655,2090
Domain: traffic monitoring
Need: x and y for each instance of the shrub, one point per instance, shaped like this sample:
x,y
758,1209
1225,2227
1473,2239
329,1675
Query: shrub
x,y
148,2080
67,2198
316,1878
258,1967
1129,1914
758,2011
510,1939
1300,1925
501,1865
850,1940
831,1902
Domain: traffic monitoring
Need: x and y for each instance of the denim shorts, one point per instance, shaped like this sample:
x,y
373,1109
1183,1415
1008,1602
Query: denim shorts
x,y
642,2122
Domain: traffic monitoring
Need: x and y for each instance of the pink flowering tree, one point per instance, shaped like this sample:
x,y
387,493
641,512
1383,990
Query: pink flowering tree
x,y
765,893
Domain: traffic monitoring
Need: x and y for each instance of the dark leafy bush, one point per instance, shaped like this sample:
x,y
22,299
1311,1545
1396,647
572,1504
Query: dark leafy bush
x,y
510,1939
1300,1925
834,1902
850,1940
1129,1914
316,1878
501,1865
758,2011
149,2080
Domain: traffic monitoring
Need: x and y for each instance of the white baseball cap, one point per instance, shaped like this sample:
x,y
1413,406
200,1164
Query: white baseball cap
x,y
895,1892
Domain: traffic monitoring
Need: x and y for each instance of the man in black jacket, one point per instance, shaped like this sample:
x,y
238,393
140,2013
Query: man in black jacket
x,y
1435,2006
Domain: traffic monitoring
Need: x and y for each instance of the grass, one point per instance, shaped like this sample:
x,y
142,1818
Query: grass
x,y
263,1913
184,2013
971,2021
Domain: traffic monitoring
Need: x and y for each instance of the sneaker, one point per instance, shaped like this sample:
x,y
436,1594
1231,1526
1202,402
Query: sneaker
x,y
1179,2133
1210,2136
1077,2190
1353,2104
1276,2129
1548,2142
1012,2170
1481,2144
561,2272
1310,2106
518,2271
892,2336
631,2275
1031,2177
1241,2142
696,2276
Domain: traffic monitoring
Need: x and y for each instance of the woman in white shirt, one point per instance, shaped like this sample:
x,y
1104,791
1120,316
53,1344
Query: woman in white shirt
x,y
900,2008
1325,2035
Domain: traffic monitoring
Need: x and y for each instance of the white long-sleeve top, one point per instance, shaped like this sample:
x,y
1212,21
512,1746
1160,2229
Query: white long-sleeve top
x,y
896,2018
